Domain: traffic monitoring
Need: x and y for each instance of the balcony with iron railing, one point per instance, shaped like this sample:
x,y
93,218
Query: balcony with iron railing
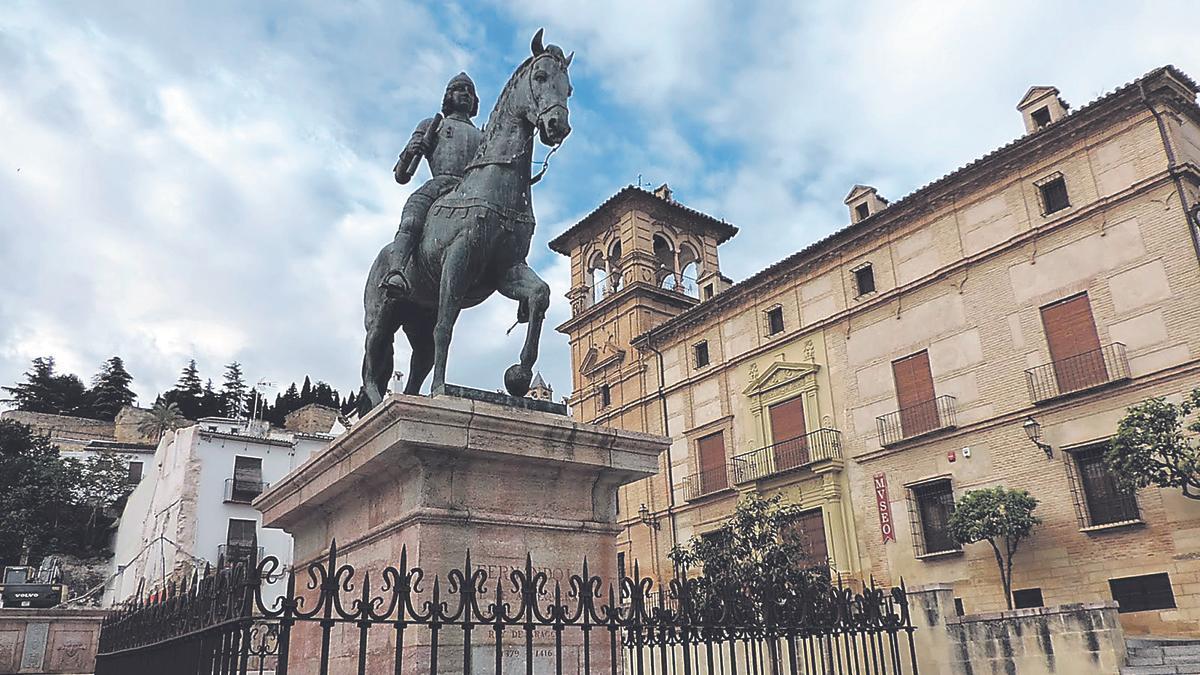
x,y
239,491
794,453
1078,373
707,482
232,554
916,420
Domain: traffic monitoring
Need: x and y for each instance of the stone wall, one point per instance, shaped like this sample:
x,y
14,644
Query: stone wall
x,y
311,419
62,426
1076,639
49,640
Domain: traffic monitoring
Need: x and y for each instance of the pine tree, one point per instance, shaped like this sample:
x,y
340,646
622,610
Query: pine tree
x,y
233,392
211,404
35,394
110,390
188,393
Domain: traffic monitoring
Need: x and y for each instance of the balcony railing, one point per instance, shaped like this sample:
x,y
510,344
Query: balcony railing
x,y
1077,373
794,453
681,283
705,483
916,420
229,555
238,491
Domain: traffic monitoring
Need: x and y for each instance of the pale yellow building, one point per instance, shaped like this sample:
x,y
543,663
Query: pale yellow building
x,y
1048,285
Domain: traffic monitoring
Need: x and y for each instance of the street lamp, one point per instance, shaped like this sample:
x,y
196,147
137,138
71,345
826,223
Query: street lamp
x,y
646,518
1033,430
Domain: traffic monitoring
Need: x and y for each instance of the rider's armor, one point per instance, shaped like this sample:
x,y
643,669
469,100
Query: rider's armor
x,y
457,141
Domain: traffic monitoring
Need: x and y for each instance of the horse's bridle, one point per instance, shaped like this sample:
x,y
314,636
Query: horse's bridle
x,y
538,120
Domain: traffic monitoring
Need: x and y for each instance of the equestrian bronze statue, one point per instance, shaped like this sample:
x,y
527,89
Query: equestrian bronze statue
x,y
469,231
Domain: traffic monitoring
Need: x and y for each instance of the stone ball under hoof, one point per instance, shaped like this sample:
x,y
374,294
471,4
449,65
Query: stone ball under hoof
x,y
517,379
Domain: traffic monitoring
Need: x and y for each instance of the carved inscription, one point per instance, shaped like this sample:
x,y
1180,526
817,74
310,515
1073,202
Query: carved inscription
x,y
34,654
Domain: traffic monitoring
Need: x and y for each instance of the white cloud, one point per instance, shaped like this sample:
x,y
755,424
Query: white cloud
x,y
215,181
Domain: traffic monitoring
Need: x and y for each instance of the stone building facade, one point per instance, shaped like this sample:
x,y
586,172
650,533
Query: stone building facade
x,y
877,374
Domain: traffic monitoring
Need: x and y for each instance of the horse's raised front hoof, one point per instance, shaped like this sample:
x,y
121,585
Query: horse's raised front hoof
x,y
517,379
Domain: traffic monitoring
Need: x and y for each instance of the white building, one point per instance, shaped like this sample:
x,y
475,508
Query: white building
x,y
192,507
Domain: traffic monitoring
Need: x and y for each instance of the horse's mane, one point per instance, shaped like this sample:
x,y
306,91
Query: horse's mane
x,y
552,50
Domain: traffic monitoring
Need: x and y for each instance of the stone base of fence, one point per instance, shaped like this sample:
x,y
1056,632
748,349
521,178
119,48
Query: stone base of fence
x,y
1078,638
49,640
434,478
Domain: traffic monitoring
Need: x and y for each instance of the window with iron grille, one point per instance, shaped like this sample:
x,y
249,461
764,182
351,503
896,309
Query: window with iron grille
x,y
1142,593
135,472
864,280
774,320
1054,194
700,350
933,503
1027,597
1104,503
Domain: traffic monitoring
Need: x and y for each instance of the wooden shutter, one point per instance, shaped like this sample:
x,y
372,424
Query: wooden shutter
x,y
914,394
712,463
809,527
242,533
788,434
1074,344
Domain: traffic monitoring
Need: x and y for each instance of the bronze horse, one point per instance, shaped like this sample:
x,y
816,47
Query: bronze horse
x,y
475,240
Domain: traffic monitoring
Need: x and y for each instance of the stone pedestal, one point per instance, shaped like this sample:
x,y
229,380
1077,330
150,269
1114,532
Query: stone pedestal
x,y
441,476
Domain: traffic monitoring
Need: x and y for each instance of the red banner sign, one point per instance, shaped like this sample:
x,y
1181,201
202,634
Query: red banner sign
x,y
886,526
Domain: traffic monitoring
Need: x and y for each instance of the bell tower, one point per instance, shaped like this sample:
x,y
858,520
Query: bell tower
x,y
639,259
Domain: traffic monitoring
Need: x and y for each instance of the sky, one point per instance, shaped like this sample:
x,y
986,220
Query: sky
x,y
213,180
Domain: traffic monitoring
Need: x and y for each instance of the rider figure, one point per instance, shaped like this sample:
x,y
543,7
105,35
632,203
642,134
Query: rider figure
x,y
452,148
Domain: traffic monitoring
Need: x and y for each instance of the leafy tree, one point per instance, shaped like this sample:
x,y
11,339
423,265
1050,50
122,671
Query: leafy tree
x,y
233,392
102,481
110,390
44,391
1156,445
999,516
35,493
756,562
163,417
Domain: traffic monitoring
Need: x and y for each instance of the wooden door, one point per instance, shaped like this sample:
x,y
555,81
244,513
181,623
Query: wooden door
x,y
1074,344
788,440
914,394
713,476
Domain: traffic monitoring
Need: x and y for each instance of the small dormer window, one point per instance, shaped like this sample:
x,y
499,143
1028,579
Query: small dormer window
x,y
862,211
864,279
1041,116
708,291
863,202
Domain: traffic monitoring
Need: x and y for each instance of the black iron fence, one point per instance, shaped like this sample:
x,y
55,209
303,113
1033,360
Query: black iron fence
x,y
819,445
326,619
1077,373
916,420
